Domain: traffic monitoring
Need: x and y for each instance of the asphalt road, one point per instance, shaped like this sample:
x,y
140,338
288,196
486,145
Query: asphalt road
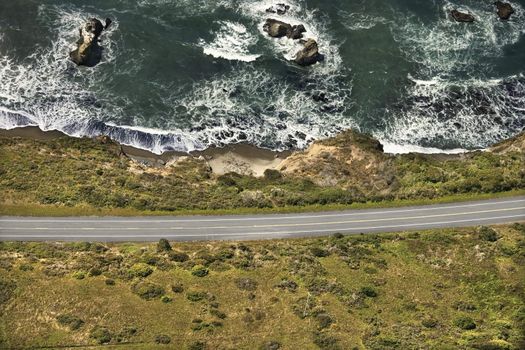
x,y
190,228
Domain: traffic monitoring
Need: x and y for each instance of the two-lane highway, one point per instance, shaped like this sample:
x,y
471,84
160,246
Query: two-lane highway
x,y
249,227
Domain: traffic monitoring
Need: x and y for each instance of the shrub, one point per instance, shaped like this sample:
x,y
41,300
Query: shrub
x,y
140,270
94,271
166,299
177,288
100,334
324,320
290,286
26,267
270,345
465,323
163,246
178,256
72,322
163,339
199,271
272,175
109,282
318,252
369,292
198,345
218,314
147,290
487,234
246,284
79,275
196,296
326,342
338,235
429,322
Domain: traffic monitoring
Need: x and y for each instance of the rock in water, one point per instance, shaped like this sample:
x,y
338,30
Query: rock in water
x,y
89,52
504,10
461,16
309,54
280,9
277,29
297,32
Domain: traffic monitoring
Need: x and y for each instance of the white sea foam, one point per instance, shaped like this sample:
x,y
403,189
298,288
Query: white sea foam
x,y
360,21
453,98
232,42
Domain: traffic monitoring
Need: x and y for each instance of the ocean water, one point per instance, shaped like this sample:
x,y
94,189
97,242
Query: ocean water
x,y
186,75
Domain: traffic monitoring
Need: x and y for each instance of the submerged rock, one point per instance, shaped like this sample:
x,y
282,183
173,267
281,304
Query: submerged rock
x,y
279,9
504,9
461,16
279,29
309,54
89,52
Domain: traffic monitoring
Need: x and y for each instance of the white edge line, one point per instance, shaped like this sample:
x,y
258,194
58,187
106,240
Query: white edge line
x,y
270,233
198,218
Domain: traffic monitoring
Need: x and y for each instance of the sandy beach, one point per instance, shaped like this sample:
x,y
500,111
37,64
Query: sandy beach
x,y
240,158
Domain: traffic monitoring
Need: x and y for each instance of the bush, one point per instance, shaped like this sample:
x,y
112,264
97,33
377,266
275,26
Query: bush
x,y
218,314
109,282
246,284
272,175
94,271
369,292
70,321
100,334
177,288
487,234
198,345
429,322
163,246
196,296
199,271
79,275
270,345
26,267
163,339
465,323
166,299
178,256
140,270
147,290
318,252
326,342
324,320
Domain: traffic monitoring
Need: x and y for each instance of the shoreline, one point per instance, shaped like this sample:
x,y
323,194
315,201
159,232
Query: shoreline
x,y
241,158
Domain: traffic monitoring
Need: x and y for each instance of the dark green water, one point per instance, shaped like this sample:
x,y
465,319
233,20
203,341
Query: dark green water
x,y
189,74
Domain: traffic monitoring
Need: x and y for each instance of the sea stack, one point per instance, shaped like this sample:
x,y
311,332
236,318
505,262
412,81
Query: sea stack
x,y
309,54
461,16
504,10
89,52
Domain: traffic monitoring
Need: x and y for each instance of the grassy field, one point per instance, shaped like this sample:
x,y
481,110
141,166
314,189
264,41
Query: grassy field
x,y
436,289
69,176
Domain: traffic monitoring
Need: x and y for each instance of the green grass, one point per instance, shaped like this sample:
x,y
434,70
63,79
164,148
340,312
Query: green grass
x,y
62,211
390,291
70,176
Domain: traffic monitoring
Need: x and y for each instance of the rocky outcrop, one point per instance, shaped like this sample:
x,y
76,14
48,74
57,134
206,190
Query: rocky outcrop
x,y
461,16
504,10
309,54
279,9
89,51
276,28
279,29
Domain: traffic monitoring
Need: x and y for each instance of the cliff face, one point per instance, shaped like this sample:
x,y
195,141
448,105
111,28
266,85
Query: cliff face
x,y
355,161
514,144
348,159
